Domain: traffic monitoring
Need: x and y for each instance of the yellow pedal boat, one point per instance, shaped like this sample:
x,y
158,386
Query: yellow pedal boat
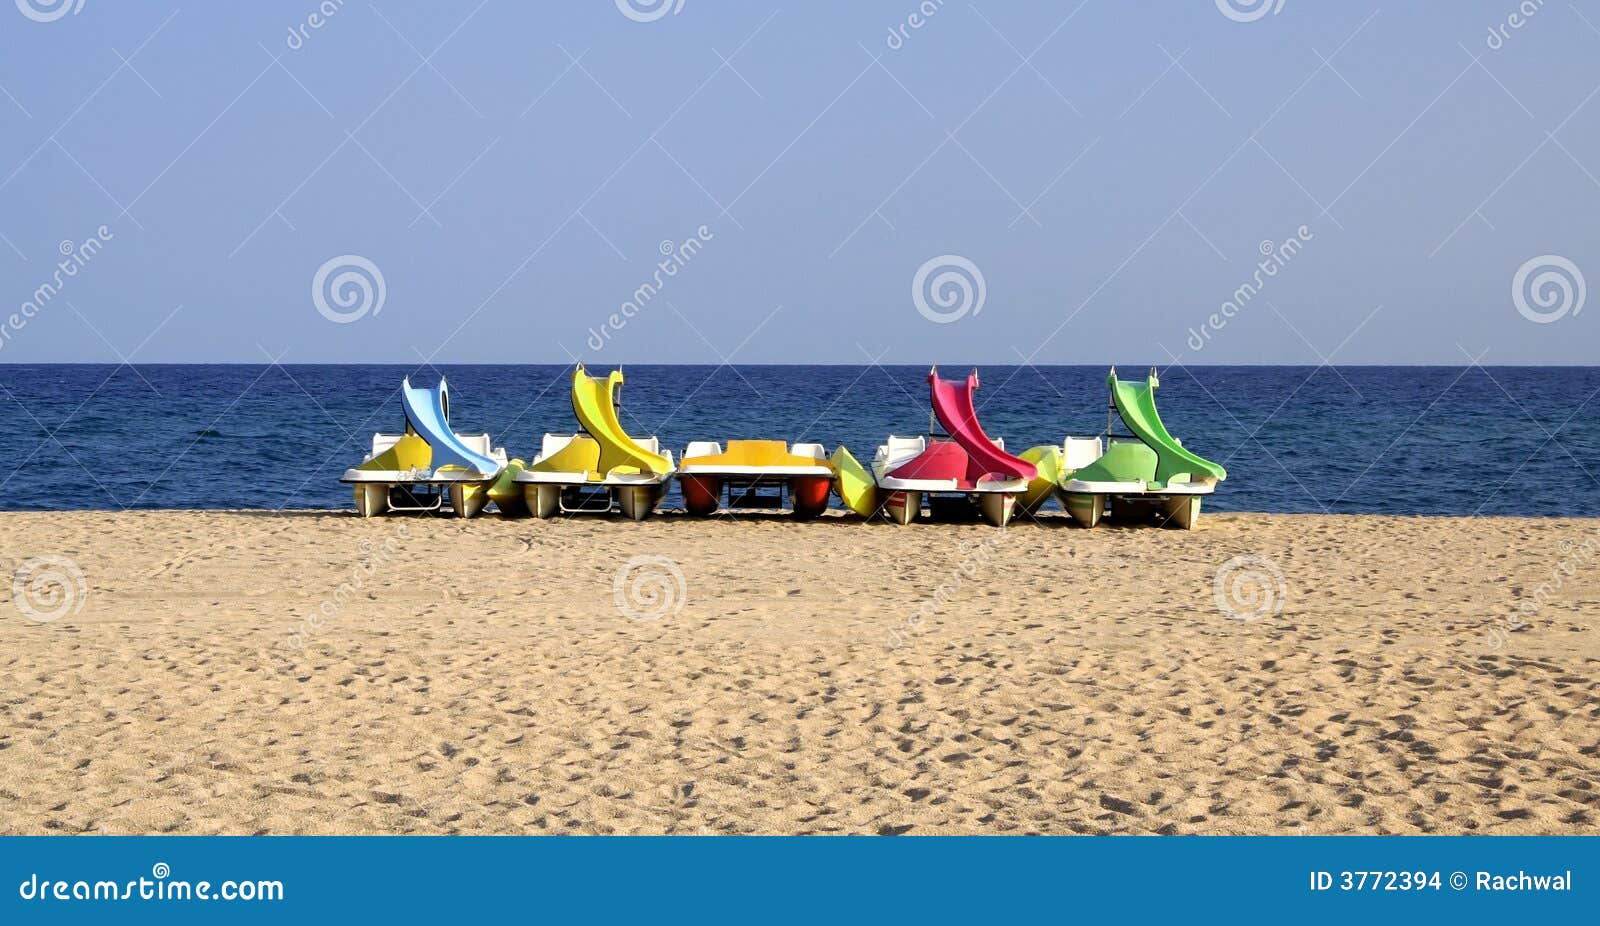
x,y
755,474
599,466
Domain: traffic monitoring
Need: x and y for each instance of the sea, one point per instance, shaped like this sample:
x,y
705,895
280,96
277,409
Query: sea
x,y
1365,439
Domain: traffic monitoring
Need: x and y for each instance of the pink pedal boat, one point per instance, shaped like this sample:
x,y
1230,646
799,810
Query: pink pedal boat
x,y
969,464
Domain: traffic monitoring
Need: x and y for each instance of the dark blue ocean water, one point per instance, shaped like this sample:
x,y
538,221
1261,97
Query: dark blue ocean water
x,y
1404,440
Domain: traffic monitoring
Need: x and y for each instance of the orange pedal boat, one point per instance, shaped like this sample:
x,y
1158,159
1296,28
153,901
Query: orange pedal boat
x,y
755,474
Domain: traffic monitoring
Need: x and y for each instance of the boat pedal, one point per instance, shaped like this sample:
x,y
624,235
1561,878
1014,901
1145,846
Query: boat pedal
x,y
755,494
583,499
407,498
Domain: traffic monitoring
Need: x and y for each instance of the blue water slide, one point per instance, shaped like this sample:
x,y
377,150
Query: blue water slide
x,y
428,413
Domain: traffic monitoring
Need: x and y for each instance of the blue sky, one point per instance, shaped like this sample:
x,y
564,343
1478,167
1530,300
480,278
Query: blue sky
x,y
1107,175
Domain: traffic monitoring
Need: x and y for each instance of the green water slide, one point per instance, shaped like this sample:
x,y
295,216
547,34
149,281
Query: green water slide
x,y
1136,404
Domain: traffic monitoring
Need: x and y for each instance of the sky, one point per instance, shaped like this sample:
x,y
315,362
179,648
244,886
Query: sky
x,y
690,181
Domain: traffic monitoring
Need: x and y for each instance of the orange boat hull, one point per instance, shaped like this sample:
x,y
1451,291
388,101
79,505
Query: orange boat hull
x,y
809,495
702,495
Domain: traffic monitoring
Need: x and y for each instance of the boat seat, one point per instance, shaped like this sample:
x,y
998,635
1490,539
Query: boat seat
x,y
568,453
1078,452
382,442
1124,463
752,457
396,453
899,445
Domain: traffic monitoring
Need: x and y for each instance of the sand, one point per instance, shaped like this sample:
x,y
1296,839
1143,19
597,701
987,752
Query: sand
x,y
316,673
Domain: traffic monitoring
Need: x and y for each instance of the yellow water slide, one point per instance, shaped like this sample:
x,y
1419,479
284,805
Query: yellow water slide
x,y
594,401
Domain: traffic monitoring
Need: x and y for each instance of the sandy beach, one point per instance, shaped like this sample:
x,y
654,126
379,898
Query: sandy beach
x,y
316,673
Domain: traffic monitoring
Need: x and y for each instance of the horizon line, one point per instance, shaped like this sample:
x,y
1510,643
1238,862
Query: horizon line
x,y
791,363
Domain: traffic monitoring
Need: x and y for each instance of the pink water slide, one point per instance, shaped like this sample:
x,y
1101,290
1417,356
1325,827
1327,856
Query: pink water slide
x,y
952,403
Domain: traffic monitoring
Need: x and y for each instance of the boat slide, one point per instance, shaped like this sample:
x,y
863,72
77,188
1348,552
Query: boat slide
x,y
970,463
749,466
429,456
589,470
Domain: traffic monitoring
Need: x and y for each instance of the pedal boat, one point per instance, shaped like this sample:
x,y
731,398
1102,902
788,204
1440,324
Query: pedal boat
x,y
506,494
755,474
1044,486
969,465
855,484
600,466
1146,475
1057,464
419,470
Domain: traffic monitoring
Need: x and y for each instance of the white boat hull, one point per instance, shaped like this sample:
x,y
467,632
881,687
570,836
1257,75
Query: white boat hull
x,y
1086,509
997,507
468,499
903,507
544,499
372,500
